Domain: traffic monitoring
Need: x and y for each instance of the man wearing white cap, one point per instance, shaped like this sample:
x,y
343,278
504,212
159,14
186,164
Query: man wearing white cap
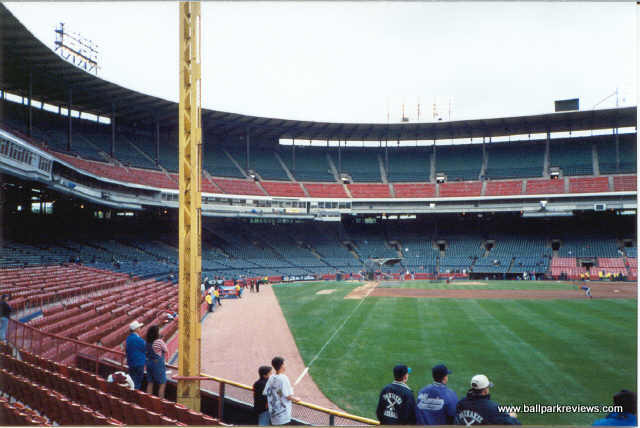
x,y
135,350
478,409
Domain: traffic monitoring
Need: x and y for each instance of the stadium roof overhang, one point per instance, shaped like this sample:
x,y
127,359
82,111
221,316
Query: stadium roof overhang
x,y
26,61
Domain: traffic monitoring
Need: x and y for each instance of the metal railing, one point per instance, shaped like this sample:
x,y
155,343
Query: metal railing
x,y
65,350
302,411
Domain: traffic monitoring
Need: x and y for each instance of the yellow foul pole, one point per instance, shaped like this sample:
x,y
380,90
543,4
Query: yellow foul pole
x,y
190,207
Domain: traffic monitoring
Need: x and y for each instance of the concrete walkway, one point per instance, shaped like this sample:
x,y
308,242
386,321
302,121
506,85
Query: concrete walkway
x,y
246,333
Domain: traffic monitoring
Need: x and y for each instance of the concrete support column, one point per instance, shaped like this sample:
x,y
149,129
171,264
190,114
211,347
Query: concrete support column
x,y
293,154
157,135
69,129
617,138
248,138
30,117
113,129
386,155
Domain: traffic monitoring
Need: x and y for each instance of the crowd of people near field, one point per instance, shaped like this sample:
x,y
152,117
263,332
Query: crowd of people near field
x,y
437,404
212,290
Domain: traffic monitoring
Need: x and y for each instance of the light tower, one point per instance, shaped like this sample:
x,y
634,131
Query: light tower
x,y
77,49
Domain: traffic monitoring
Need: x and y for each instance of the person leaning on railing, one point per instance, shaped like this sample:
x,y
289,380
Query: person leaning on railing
x,y
260,406
279,394
5,314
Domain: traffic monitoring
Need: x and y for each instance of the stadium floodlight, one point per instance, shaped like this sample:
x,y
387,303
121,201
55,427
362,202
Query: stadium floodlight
x,y
77,49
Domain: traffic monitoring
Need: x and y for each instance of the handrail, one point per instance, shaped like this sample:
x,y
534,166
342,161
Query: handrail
x,y
228,382
301,403
339,414
204,375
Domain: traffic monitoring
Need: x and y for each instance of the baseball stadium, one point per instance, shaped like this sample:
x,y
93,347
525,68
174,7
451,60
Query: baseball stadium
x,y
503,246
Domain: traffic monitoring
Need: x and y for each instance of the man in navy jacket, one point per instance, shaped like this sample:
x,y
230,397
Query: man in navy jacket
x,y
396,405
436,404
135,350
478,409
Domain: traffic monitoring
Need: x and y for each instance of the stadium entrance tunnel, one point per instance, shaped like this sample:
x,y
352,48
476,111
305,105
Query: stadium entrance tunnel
x,y
587,263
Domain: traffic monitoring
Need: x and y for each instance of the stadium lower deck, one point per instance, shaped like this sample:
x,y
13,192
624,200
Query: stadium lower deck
x,y
83,280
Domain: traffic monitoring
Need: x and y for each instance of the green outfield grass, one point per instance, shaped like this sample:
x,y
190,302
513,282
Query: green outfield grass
x,y
549,352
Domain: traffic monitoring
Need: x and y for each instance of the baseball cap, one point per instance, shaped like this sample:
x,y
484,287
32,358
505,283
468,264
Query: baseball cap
x,y
480,381
439,372
400,370
135,325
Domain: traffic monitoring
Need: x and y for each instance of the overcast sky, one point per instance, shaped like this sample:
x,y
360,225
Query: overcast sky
x,y
352,62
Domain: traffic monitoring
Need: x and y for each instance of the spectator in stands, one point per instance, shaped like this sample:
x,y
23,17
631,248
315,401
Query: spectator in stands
x,y
478,409
135,350
216,294
156,352
209,301
5,314
279,394
396,405
628,416
259,400
436,404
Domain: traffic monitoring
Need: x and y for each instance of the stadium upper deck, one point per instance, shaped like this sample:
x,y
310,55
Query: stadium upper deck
x,y
137,152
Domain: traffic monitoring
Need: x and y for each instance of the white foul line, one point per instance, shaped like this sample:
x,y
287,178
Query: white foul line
x,y
306,369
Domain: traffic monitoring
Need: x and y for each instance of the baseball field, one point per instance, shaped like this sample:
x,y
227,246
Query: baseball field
x,y
538,342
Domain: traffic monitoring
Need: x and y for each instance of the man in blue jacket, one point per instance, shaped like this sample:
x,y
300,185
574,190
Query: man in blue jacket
x,y
135,350
628,417
396,405
436,404
478,409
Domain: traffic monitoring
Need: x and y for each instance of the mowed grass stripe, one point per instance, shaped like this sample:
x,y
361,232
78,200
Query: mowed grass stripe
x,y
518,379
562,318
559,351
556,330
309,309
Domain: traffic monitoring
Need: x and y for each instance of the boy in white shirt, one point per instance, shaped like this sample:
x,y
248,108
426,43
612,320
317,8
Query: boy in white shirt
x,y
279,394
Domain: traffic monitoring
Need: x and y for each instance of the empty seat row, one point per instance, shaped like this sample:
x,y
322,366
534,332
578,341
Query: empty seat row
x,y
171,412
589,185
414,190
460,189
369,190
238,187
283,188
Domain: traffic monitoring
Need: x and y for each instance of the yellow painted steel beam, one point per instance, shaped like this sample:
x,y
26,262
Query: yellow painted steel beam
x,y
190,229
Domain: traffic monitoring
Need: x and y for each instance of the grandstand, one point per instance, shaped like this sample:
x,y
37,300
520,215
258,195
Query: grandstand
x,y
89,217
